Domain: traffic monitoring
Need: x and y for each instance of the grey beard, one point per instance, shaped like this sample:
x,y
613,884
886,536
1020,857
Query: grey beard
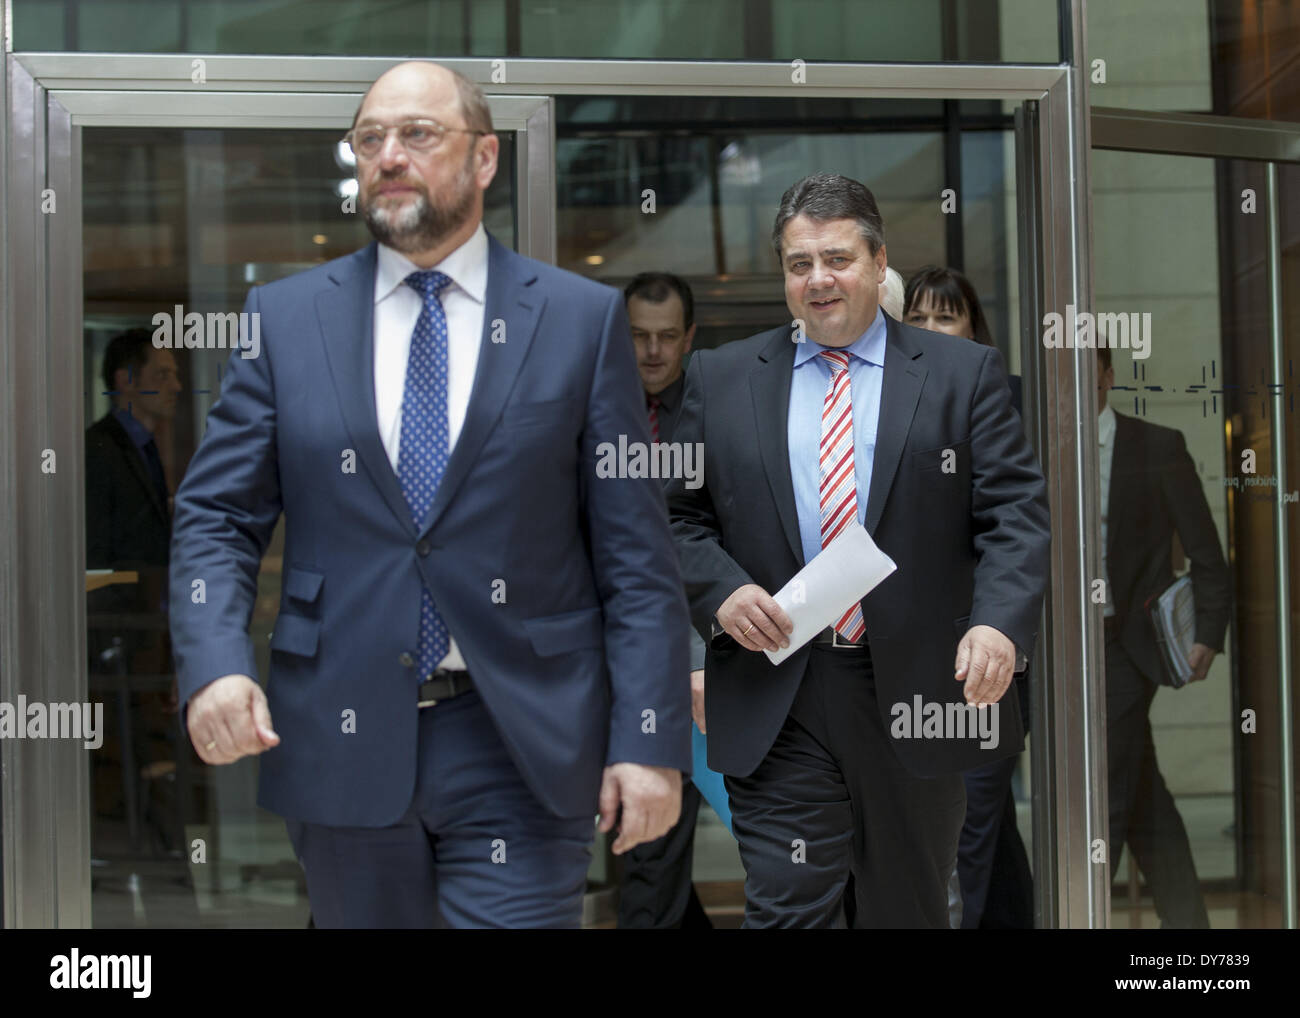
x,y
420,227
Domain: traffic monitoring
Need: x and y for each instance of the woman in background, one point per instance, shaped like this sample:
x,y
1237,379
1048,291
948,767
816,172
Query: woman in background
x,y
992,867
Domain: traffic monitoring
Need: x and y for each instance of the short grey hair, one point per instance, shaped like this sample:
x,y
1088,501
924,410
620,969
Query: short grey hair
x,y
824,196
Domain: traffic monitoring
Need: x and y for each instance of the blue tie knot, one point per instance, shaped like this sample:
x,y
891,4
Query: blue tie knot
x,y
428,282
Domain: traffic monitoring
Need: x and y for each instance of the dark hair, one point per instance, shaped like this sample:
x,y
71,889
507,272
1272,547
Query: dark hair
x,y
948,290
130,350
1103,355
825,196
656,287
473,102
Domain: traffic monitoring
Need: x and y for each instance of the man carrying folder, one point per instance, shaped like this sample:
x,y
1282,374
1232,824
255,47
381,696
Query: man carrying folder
x,y
847,415
1149,493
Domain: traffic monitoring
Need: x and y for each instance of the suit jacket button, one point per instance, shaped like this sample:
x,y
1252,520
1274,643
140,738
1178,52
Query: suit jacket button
x,y
422,548
406,660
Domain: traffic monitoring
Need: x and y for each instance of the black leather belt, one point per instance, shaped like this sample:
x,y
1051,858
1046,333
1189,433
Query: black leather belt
x,y
830,637
444,685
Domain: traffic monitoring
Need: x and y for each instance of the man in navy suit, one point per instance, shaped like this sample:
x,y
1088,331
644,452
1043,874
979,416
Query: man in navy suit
x,y
481,639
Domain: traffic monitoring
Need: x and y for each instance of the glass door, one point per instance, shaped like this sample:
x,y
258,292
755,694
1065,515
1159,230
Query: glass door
x,y
170,196
1202,249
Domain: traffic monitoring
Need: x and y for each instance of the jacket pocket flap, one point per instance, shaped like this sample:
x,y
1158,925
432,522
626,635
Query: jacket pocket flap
x,y
295,634
545,412
302,584
556,634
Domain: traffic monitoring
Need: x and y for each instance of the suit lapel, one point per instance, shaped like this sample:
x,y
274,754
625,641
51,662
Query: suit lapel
x,y
513,298
769,385
346,313
900,391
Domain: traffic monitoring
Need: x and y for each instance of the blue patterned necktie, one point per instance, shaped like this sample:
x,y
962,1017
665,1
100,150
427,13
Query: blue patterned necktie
x,y
422,454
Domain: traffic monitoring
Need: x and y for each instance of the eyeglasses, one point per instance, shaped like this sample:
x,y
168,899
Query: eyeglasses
x,y
367,140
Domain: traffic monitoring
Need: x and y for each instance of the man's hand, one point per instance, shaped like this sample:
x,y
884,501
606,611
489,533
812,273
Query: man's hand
x,y
697,700
1200,659
228,719
651,798
986,662
754,620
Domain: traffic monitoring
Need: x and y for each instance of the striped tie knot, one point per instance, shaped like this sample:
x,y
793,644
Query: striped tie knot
x,y
428,282
837,359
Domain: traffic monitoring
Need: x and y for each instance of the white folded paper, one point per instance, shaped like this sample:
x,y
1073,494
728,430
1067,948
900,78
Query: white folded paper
x,y
845,571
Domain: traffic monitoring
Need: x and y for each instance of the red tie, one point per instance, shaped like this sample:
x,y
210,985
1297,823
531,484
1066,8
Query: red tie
x,y
839,486
652,403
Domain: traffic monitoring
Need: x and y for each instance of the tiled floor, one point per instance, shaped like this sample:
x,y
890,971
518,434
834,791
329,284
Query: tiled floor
x,y
253,880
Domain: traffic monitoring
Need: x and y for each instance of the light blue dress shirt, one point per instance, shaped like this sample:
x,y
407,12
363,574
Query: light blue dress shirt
x,y
808,385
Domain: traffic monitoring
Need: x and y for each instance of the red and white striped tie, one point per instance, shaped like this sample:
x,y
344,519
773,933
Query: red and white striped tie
x,y
839,485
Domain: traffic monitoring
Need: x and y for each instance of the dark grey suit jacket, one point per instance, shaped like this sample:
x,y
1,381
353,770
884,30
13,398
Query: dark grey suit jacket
x,y
971,545
1155,493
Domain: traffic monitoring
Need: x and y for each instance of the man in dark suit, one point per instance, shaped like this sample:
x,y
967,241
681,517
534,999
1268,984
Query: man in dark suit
x,y
128,517
853,415
1150,493
481,636
656,891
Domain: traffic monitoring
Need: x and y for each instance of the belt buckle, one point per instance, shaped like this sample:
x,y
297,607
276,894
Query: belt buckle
x,y
427,703
836,640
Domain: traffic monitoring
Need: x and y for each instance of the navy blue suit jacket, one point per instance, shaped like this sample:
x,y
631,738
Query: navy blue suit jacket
x,y
588,629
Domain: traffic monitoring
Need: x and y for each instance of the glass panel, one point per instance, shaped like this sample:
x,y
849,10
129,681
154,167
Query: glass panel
x,y
1022,31
1193,782
1228,57
717,169
192,218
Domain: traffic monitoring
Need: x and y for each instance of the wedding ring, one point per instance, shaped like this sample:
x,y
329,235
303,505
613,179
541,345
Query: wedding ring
x,y
749,630
211,746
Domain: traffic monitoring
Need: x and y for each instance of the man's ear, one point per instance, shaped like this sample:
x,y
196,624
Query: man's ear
x,y
690,338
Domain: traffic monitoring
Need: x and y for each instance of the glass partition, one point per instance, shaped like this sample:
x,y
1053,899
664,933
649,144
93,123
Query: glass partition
x,y
1181,248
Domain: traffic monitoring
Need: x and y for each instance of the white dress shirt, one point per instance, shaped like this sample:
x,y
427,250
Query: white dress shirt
x,y
397,309
1106,441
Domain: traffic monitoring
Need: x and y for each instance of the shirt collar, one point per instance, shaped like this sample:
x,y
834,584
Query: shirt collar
x,y
671,394
138,433
869,347
1106,425
467,267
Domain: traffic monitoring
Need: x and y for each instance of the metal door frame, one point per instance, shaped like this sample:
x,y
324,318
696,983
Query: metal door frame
x,y
42,623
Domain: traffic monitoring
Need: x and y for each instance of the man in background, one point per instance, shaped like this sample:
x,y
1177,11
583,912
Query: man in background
x,y
1149,494
128,515
656,891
